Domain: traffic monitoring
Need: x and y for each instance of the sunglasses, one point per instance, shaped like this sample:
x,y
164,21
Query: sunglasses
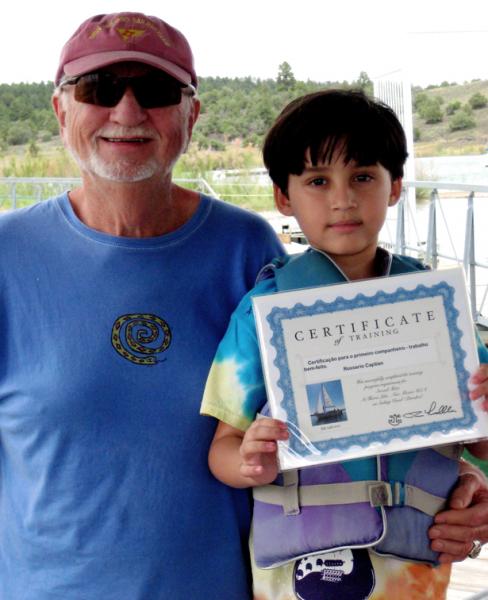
x,y
153,90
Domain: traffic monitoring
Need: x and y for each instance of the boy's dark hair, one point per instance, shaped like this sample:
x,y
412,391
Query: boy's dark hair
x,y
366,130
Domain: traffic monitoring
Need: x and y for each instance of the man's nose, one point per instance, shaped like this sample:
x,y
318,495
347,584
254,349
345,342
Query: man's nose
x,y
128,111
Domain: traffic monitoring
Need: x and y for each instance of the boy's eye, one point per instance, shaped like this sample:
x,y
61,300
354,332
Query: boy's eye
x,y
318,181
364,177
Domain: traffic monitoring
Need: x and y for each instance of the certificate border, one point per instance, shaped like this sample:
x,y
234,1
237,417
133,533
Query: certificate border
x,y
298,443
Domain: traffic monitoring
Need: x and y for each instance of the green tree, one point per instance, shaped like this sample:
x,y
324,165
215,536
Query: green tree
x,y
431,112
461,120
19,133
33,149
420,100
285,79
452,107
364,83
478,100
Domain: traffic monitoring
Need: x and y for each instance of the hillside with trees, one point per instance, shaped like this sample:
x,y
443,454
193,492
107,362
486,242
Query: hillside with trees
x,y
236,113
451,119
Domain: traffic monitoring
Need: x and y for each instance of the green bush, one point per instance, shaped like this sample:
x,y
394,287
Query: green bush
x,y
431,112
461,120
478,100
452,107
19,133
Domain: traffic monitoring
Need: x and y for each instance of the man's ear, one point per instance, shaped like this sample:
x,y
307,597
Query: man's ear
x,y
58,109
396,191
192,118
282,202
60,112
195,111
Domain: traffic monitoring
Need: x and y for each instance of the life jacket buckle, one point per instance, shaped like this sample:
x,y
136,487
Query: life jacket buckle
x,y
380,494
398,488
291,504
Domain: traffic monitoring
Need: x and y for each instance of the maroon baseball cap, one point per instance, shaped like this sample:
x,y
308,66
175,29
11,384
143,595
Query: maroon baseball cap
x,y
128,36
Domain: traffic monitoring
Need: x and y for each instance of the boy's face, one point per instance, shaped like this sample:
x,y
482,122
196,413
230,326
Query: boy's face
x,y
341,209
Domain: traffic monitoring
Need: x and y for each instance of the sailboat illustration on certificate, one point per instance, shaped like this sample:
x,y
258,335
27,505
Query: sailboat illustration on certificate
x,y
325,410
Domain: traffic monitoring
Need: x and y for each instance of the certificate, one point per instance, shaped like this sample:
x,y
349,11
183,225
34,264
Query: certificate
x,y
370,367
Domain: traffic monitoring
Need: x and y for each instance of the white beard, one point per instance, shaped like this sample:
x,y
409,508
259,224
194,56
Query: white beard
x,y
124,171
121,171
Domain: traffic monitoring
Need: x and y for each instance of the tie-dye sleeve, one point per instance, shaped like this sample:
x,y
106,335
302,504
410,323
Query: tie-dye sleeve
x,y
482,349
235,390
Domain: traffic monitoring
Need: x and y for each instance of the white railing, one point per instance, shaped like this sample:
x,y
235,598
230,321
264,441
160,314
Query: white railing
x,y
16,192
448,227
446,224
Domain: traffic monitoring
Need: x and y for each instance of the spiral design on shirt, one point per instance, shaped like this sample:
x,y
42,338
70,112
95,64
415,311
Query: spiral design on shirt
x,y
139,337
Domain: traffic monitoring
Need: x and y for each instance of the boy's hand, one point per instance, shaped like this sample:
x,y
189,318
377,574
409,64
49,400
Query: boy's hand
x,y
478,385
478,388
258,450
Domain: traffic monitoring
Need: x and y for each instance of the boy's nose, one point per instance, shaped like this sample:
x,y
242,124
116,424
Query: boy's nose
x,y
344,197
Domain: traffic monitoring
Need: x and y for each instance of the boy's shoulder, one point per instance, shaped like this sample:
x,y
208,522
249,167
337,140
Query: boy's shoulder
x,y
315,268
261,288
401,263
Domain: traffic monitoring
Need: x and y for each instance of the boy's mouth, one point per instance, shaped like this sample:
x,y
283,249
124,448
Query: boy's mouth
x,y
346,225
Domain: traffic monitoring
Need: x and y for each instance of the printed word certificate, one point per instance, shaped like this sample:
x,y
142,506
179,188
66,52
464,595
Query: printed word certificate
x,y
370,367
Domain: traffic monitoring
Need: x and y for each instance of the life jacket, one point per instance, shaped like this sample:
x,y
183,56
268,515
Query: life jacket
x,y
386,503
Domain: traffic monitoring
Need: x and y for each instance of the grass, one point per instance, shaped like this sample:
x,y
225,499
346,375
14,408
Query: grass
x,y
52,160
482,464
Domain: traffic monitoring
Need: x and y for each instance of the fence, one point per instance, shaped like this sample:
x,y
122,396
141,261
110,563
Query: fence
x,y
441,228
446,228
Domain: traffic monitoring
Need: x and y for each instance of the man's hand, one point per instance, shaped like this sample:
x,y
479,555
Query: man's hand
x,y
466,519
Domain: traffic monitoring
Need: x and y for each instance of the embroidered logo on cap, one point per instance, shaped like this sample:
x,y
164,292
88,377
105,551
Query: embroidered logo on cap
x,y
129,34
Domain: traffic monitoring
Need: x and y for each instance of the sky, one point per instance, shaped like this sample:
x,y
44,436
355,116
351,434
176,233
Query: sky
x,y
425,41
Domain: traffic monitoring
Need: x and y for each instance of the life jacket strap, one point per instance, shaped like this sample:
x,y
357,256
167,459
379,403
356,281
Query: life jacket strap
x,y
292,496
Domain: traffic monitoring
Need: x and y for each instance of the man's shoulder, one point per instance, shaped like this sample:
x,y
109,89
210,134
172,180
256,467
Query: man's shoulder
x,y
261,288
235,213
19,217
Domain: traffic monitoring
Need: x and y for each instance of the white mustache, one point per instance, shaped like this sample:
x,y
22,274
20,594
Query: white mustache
x,y
124,132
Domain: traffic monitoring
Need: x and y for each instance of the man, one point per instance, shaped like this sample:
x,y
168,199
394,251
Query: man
x,y
114,297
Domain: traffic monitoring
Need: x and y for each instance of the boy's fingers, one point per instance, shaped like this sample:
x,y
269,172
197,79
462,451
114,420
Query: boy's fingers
x,y
253,448
480,375
478,383
274,430
251,470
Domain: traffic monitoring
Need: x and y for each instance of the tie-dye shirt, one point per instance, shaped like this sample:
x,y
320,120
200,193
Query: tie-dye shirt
x,y
234,394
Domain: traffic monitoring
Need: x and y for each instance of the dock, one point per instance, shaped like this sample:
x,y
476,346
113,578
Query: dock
x,y
469,579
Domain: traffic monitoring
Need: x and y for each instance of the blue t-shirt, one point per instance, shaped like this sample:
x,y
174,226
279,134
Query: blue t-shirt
x,y
105,345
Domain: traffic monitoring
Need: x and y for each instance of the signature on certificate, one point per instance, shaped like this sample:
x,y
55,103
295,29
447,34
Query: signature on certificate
x,y
434,409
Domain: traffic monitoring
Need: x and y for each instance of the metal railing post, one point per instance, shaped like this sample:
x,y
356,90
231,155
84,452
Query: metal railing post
x,y
469,260
431,251
14,195
400,243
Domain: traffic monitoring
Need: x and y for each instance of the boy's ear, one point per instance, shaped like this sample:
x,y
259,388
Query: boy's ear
x,y
282,201
396,191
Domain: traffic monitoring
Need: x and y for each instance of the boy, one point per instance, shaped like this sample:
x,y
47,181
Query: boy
x,y
336,160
